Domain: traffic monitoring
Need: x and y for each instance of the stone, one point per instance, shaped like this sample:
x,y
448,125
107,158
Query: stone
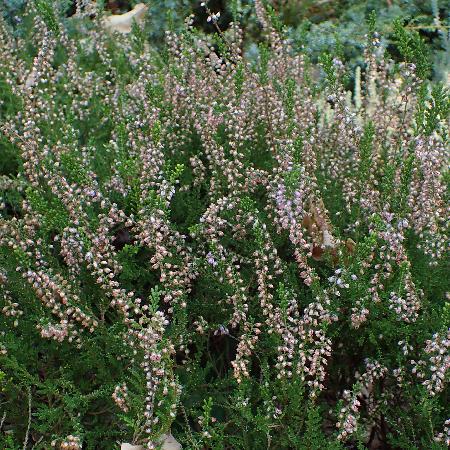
x,y
123,22
167,440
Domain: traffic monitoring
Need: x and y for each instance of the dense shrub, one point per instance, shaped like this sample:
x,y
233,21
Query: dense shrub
x,y
343,29
314,26
232,251
317,26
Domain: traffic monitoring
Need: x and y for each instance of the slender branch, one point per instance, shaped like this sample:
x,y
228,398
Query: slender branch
x,y
2,421
34,445
25,442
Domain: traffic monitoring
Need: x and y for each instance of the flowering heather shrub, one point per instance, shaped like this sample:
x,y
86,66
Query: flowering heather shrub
x,y
234,253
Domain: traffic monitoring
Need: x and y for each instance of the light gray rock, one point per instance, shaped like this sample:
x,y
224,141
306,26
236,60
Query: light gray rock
x,y
123,22
167,440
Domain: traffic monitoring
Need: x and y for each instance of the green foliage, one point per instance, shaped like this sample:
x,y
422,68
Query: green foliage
x,y
137,185
423,28
412,48
46,11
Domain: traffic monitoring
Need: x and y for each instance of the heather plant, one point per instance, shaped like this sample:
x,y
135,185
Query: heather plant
x,y
231,251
